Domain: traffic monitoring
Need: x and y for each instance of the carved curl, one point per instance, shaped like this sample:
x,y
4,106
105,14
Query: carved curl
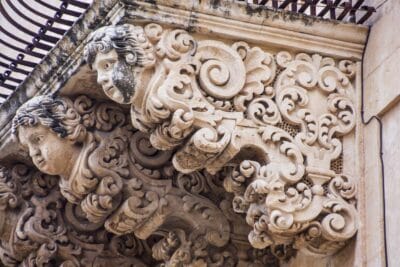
x,y
280,117
54,113
129,41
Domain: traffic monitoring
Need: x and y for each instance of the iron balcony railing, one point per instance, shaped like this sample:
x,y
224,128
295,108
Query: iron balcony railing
x,y
28,30
354,11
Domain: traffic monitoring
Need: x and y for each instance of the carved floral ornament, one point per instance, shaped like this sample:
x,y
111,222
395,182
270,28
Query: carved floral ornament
x,y
216,123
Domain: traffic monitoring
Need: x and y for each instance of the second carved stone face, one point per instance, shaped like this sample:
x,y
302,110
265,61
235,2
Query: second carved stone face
x,y
115,76
50,153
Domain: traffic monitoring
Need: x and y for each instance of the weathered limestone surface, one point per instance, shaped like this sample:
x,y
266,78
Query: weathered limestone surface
x,y
381,57
230,140
381,71
372,229
391,154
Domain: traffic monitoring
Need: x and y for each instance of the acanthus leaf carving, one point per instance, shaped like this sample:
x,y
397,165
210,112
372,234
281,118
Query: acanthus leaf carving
x,y
115,185
261,129
260,72
212,103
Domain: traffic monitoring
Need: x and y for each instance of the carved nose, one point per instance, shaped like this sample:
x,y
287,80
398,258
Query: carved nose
x,y
102,79
33,151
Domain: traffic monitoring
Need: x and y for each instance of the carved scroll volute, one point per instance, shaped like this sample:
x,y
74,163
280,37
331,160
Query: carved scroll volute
x,y
9,199
305,82
45,232
212,103
311,221
282,210
222,72
118,181
31,236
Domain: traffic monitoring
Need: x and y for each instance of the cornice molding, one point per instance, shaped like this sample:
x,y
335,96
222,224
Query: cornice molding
x,y
256,24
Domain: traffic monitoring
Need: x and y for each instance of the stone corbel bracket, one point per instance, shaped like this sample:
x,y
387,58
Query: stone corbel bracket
x,y
279,116
276,135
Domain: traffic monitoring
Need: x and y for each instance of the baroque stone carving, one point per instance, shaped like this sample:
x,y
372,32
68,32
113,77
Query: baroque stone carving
x,y
118,186
275,121
36,231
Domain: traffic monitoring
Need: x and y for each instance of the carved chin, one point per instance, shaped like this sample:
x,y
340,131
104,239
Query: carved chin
x,y
114,94
43,167
46,170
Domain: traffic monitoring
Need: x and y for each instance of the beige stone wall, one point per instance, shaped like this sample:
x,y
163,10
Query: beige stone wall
x,y
381,71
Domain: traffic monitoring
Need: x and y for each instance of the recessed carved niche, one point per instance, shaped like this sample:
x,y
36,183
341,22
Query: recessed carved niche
x,y
208,152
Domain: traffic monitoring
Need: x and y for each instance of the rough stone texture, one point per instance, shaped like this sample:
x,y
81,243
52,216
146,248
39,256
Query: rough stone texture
x,y
251,136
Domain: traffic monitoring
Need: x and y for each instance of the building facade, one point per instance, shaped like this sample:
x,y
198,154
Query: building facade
x,y
203,133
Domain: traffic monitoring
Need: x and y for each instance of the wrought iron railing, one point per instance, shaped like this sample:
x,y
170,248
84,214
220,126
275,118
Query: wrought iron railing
x,y
28,30
354,11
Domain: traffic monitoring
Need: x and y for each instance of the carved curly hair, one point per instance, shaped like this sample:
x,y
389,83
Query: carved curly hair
x,y
130,43
56,113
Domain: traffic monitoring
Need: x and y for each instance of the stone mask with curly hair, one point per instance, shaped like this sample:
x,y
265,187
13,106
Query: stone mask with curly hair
x,y
118,54
51,129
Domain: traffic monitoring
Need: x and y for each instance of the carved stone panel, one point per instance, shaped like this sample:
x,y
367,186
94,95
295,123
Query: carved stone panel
x,y
210,153
116,187
277,119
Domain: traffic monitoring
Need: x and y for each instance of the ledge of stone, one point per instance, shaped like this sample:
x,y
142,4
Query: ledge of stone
x,y
256,23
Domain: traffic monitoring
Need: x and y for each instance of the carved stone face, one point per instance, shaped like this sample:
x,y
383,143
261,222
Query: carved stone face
x,y
50,153
115,76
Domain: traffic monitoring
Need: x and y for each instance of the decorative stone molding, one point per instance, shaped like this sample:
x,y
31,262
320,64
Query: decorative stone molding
x,y
234,110
218,104
215,152
119,183
41,234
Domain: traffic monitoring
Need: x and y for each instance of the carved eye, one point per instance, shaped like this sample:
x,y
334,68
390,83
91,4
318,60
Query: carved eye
x,y
108,64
